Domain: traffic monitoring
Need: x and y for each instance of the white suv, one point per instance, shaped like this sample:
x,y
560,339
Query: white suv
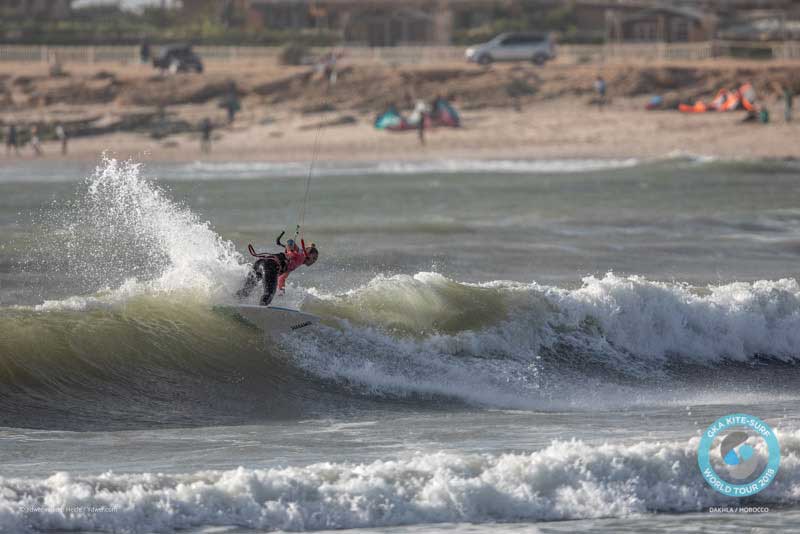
x,y
535,47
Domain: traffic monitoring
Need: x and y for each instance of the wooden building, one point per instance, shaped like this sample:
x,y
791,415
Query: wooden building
x,y
661,23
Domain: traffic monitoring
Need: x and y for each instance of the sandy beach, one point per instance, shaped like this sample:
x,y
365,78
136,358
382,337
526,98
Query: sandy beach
x,y
565,129
281,112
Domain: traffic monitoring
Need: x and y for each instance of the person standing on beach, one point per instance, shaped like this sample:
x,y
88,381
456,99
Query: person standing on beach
x,y
61,134
144,52
419,115
329,68
788,98
231,102
36,143
12,140
205,136
421,128
600,89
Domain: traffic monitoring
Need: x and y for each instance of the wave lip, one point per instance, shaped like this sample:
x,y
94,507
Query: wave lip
x,y
566,480
629,316
736,321
122,235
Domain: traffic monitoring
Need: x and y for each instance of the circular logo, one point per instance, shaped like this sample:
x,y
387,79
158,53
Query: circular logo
x,y
739,455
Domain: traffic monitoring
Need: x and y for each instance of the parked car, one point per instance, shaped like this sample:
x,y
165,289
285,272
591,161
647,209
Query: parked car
x,y
536,47
178,58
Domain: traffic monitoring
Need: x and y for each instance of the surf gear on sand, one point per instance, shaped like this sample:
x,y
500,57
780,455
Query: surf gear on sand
x,y
742,98
442,114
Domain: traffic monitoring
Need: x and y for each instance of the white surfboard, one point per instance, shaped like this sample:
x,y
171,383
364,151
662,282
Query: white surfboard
x,y
274,320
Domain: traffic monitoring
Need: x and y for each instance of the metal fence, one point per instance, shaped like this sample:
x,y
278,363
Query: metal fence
x,y
409,55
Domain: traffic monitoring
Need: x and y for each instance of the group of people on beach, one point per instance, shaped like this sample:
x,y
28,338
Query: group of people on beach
x,y
15,138
756,112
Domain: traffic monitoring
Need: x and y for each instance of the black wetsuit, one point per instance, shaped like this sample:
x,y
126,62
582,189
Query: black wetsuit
x,y
266,269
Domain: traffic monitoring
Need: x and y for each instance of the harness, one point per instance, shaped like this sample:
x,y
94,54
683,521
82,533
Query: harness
x,y
279,258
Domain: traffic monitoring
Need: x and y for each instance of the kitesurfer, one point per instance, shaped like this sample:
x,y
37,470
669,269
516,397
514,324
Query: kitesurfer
x,y
273,269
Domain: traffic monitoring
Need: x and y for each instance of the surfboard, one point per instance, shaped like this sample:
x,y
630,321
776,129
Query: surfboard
x,y
274,320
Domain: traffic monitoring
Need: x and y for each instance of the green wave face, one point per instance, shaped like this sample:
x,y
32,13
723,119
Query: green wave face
x,y
152,360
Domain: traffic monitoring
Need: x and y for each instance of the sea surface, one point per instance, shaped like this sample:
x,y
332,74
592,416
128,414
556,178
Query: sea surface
x,y
506,346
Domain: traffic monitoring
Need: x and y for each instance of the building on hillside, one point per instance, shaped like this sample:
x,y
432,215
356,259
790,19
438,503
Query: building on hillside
x,y
412,22
727,8
763,26
389,23
368,22
660,23
52,9
731,19
754,20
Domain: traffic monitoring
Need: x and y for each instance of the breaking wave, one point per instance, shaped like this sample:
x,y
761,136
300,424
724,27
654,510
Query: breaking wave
x,y
144,341
566,480
615,340
647,319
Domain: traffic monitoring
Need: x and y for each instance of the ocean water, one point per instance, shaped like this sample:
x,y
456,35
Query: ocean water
x,y
506,346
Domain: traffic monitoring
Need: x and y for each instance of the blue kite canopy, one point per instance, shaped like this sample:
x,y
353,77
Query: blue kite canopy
x,y
445,114
391,119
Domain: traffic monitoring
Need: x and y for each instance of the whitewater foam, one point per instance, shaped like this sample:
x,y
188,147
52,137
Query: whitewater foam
x,y
566,480
122,236
735,321
516,345
651,319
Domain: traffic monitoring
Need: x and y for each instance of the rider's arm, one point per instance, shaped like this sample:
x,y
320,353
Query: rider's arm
x,y
278,241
